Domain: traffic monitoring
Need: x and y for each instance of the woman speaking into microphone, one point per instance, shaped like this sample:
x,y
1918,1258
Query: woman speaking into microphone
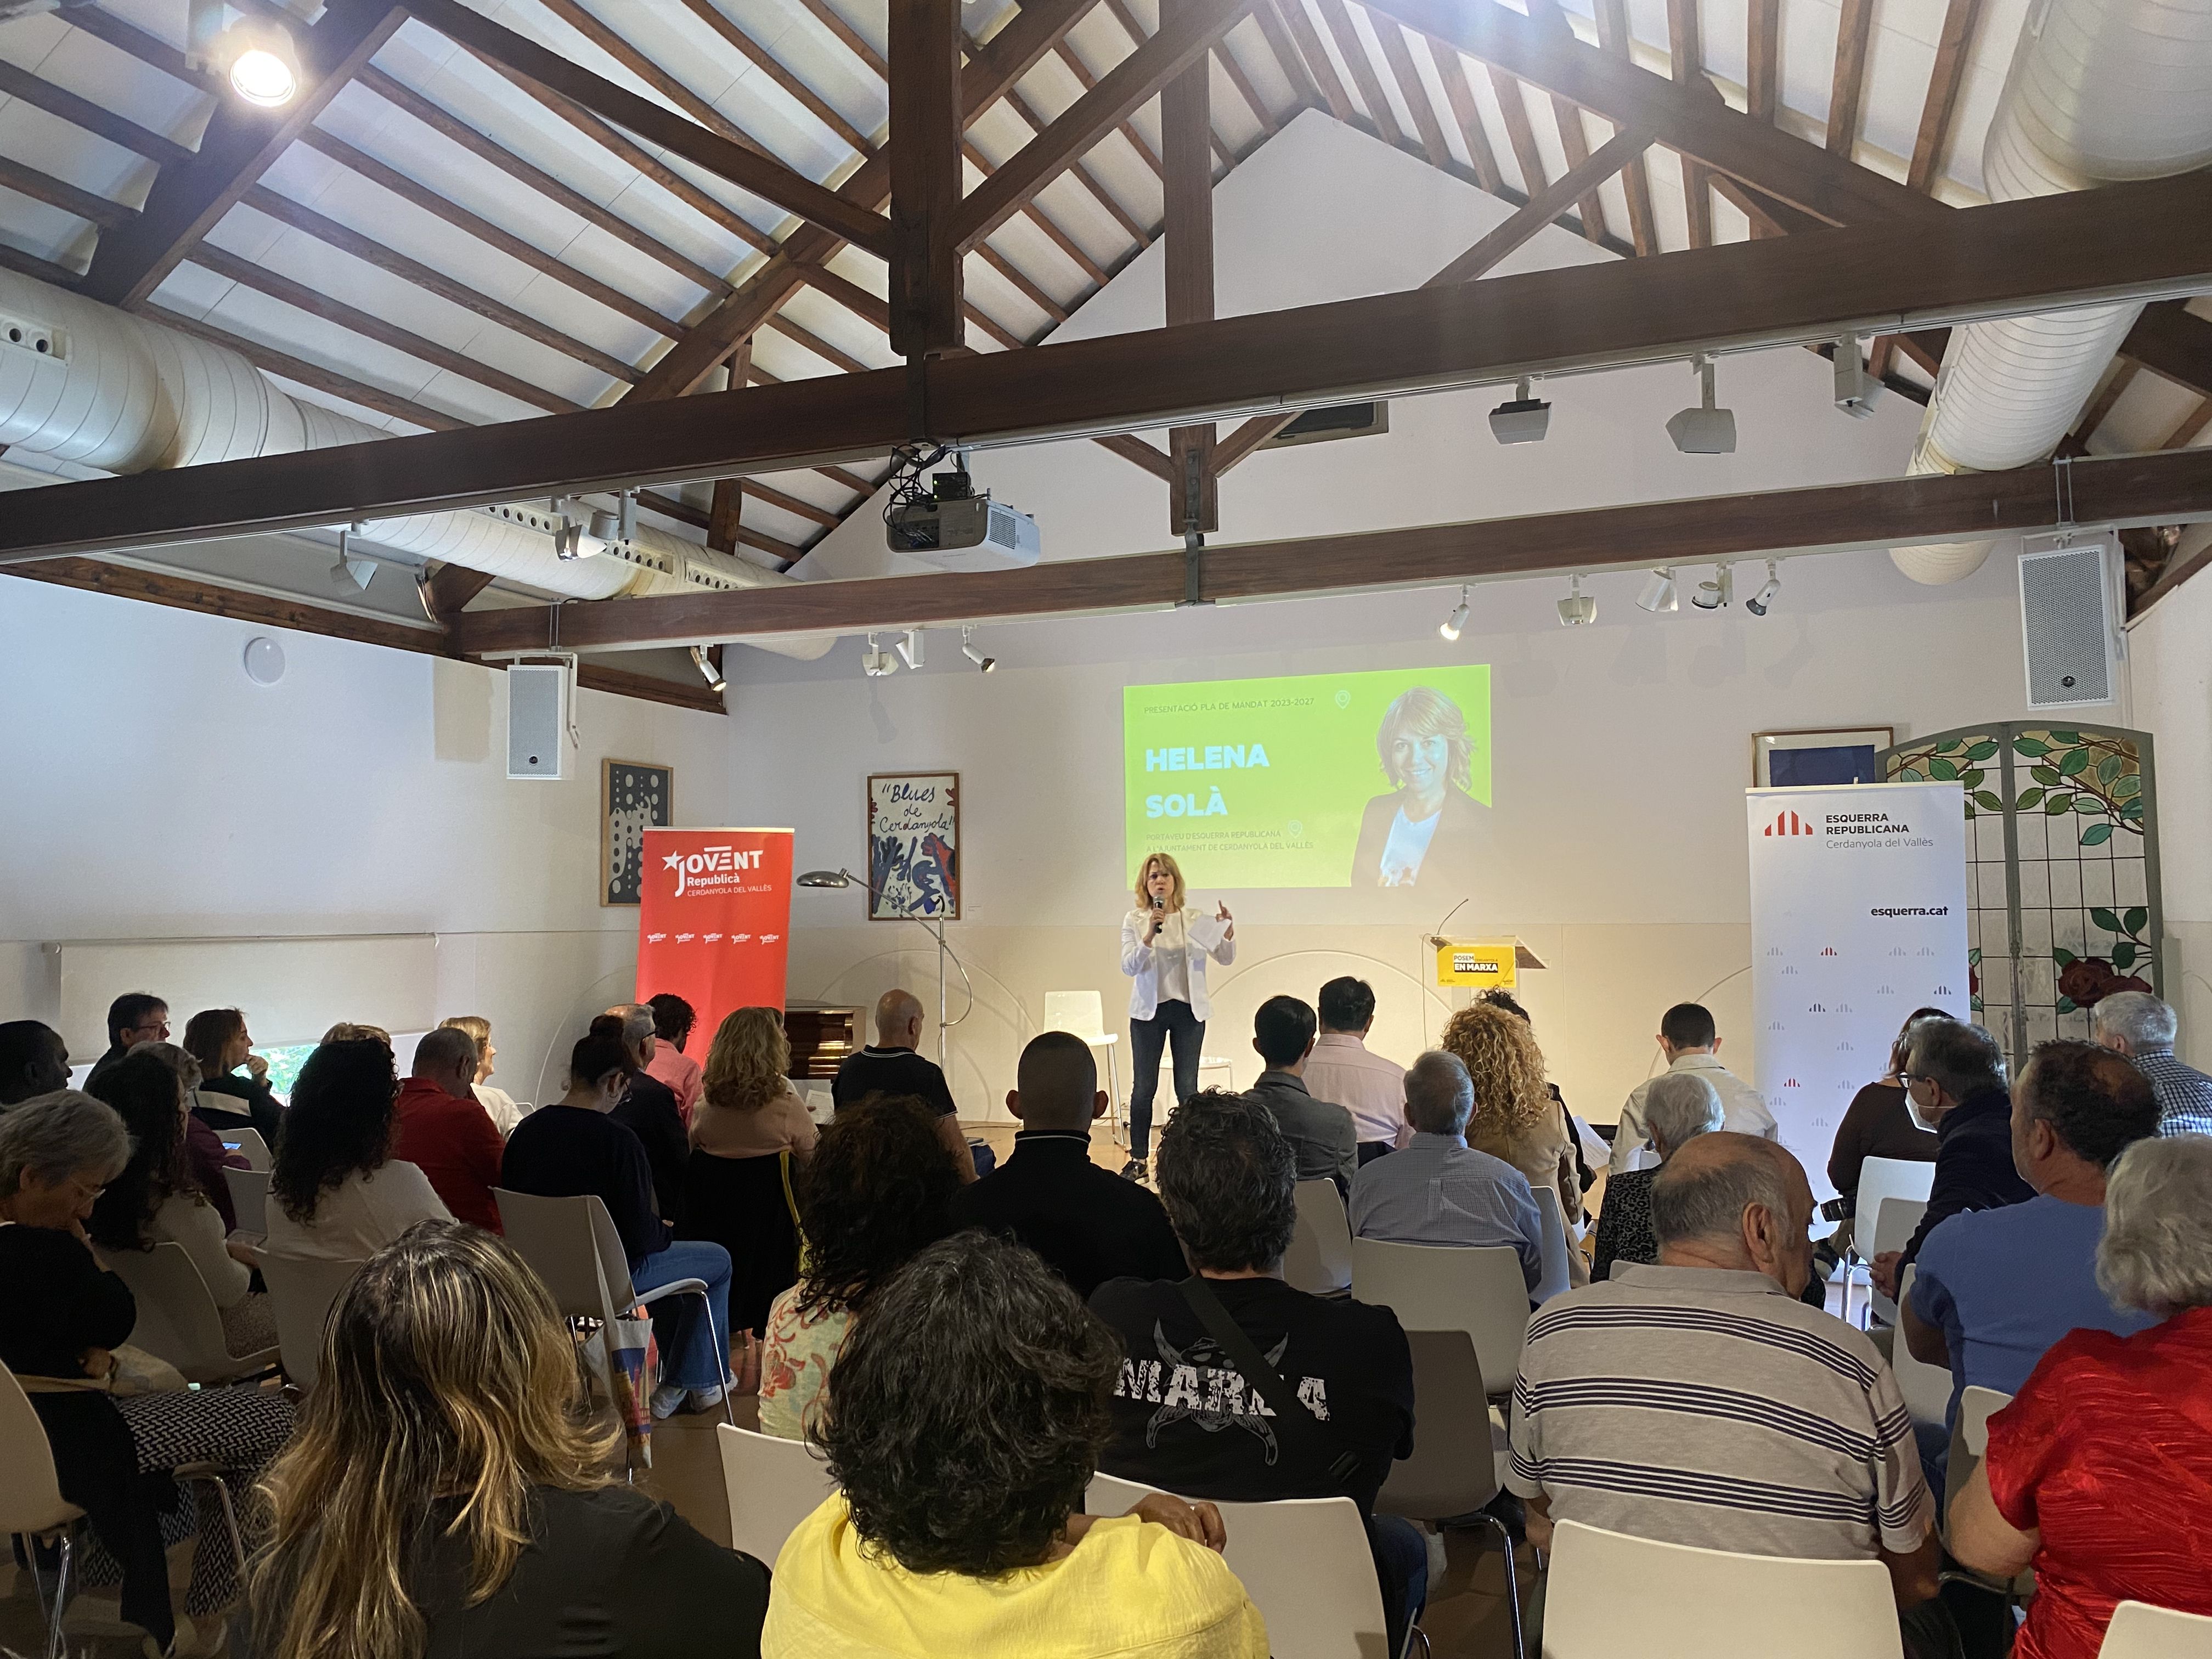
x,y
1163,952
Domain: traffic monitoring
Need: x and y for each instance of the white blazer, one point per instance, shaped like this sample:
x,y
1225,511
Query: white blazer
x,y
1140,962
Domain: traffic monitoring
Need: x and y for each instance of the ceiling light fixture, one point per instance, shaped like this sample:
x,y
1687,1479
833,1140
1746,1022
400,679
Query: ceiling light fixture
x,y
1523,420
909,647
1578,608
876,662
256,55
1761,602
350,573
1856,390
983,664
1658,593
1451,625
707,671
1703,429
1715,594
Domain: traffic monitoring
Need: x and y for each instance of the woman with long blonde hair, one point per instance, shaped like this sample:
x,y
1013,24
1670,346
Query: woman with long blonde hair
x,y
1164,946
1514,1117
445,1492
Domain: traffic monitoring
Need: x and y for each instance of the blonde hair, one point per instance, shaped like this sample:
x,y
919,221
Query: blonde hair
x,y
478,1028
346,1031
446,1373
748,1065
1504,1064
1163,862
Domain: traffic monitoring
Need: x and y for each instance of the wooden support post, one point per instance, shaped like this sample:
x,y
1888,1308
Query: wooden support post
x,y
1186,127
926,177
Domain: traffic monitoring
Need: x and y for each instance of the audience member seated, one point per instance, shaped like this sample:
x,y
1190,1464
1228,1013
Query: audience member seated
x,y
337,1194
1440,1190
1879,1123
648,1107
156,1201
1341,1070
134,1017
1681,1107
1692,1042
443,1131
2137,1025
205,1155
1088,1224
62,1320
447,1494
499,1105
879,1188
347,1030
1319,1130
1585,1177
749,1124
1955,1084
963,1426
1996,1288
1188,1414
34,1060
673,1019
218,1040
574,1147
2098,1474
892,1065
1514,1117
1699,1402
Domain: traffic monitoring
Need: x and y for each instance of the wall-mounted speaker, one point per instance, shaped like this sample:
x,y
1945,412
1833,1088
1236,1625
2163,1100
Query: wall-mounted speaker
x,y
2068,625
536,722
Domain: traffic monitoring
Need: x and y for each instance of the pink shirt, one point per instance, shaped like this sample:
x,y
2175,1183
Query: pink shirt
x,y
1369,1087
679,1071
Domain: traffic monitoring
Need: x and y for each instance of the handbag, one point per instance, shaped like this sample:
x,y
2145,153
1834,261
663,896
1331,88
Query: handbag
x,y
1293,1421
130,1372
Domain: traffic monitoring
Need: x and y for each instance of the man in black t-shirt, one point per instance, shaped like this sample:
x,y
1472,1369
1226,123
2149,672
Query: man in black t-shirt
x,y
1187,1419
891,1065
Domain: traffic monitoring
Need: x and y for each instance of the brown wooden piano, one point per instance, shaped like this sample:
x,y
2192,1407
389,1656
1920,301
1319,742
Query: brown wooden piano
x,y
822,1033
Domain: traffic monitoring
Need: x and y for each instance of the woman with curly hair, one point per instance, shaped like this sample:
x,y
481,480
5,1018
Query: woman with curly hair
x,y
336,1192
1514,1118
747,1107
963,1425
880,1187
448,1492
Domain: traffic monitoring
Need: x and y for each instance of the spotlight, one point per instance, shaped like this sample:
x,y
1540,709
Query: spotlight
x,y
1704,430
876,662
1856,391
983,664
909,647
1760,603
350,574
707,671
1449,628
1715,594
1658,593
1524,419
265,72
1578,607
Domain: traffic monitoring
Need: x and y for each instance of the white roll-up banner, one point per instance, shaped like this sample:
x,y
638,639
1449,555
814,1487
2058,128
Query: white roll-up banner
x,y
1858,916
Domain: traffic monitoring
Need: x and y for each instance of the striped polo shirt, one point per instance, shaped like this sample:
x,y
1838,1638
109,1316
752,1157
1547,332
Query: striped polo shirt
x,y
1704,1407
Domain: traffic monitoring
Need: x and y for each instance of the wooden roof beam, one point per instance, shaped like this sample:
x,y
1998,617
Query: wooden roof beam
x,y
2174,343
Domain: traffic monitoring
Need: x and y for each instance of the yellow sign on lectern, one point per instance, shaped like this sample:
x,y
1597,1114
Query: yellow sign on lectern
x,y
1484,964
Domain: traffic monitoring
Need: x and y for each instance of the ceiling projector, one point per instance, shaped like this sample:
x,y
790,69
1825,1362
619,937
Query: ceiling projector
x,y
954,528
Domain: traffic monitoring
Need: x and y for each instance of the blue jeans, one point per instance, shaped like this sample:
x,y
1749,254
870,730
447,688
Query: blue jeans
x,y
693,1355
1402,1566
1148,1038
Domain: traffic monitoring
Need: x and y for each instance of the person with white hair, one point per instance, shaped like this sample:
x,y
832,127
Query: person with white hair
x,y
2098,1474
1678,1108
2137,1025
1436,1189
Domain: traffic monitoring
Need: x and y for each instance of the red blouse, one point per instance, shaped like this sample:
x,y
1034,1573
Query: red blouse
x,y
2108,1451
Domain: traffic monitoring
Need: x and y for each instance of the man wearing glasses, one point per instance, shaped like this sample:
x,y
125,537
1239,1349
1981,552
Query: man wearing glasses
x,y
132,1018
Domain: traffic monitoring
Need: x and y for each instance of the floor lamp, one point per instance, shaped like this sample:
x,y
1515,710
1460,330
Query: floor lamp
x,y
843,877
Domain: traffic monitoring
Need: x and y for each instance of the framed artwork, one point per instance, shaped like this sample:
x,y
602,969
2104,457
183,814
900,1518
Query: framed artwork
x,y
634,796
1840,754
913,845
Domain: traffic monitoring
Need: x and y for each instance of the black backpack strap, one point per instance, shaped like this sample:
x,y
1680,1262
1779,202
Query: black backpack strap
x,y
1293,1419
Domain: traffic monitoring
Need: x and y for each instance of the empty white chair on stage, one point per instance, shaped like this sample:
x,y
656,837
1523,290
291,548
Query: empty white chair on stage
x,y
178,1320
772,1485
1611,1595
1926,1388
250,1143
1557,1280
1083,1013
249,1200
1444,1287
1319,1260
2139,1630
302,1292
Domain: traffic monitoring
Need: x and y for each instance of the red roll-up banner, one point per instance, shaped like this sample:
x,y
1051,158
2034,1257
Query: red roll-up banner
x,y
714,919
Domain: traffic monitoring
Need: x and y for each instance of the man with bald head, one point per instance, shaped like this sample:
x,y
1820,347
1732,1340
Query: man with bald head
x,y
444,1131
1088,1224
1699,1401
892,1065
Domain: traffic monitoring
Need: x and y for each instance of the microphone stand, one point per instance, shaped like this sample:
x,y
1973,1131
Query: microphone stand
x,y
935,925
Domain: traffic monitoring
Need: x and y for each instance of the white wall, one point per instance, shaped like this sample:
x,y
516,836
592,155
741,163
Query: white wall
x,y
2169,675
153,791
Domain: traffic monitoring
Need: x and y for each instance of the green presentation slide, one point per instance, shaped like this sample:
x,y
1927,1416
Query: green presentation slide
x,y
1378,779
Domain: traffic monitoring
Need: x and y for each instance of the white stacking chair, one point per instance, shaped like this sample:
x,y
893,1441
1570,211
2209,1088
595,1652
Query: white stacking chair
x,y
1880,1178
1319,1260
250,1143
2139,1630
772,1485
1557,1280
1083,1013
178,1320
1894,1226
1444,1287
1611,1595
1926,1388
302,1290
249,1199
1976,1406
1304,1561
571,1243
31,1506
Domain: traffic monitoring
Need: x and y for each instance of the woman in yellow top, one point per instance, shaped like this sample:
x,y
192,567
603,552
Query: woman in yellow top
x,y
964,1421
1515,1116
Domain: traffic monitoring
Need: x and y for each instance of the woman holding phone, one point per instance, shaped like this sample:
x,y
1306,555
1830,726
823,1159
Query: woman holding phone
x,y
1163,951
